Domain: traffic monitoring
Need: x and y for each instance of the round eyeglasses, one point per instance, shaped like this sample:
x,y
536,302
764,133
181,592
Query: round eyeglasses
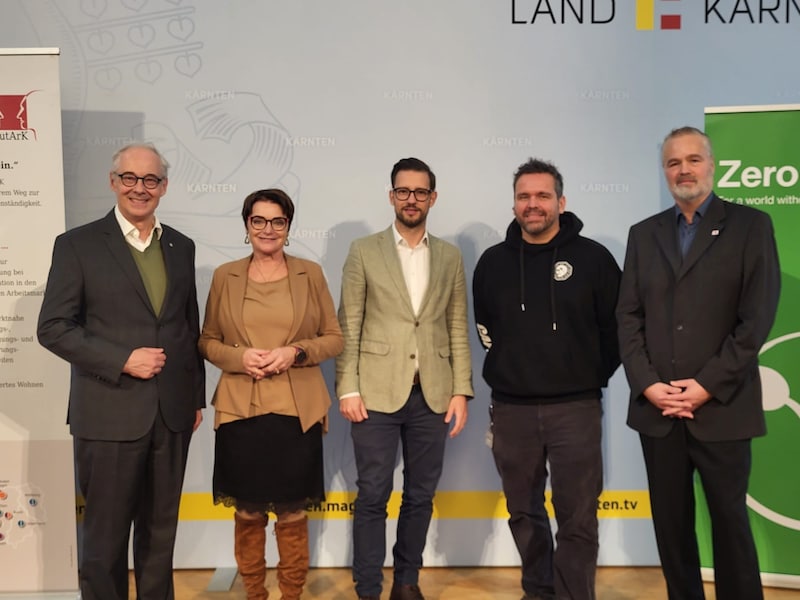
x,y
131,179
420,195
278,223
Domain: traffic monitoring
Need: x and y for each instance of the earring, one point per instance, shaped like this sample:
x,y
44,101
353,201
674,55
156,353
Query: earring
x,y
247,238
286,242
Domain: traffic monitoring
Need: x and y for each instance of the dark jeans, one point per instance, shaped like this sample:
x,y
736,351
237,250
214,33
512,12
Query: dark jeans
x,y
422,434
567,436
724,469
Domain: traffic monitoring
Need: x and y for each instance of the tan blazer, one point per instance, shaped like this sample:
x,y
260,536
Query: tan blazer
x,y
223,340
382,334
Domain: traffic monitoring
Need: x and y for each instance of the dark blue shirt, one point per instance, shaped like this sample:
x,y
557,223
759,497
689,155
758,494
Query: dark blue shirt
x,y
686,230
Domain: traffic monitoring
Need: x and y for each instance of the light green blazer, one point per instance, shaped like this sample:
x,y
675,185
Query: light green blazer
x,y
382,334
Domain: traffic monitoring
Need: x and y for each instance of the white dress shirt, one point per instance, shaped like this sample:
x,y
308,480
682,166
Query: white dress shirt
x,y
416,265
132,234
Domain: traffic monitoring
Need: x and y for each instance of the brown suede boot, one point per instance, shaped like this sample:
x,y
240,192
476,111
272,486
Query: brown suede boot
x,y
293,550
249,542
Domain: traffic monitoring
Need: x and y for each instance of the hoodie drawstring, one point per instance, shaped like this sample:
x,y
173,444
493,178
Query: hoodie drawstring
x,y
552,290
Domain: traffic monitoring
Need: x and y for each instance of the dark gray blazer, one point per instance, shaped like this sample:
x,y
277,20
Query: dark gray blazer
x,y
96,311
704,317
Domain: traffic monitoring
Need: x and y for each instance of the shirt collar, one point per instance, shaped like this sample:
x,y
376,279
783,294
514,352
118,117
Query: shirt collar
x,y
400,241
699,211
129,229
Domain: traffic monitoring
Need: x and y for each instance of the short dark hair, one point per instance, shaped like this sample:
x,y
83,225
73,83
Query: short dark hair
x,y
273,195
534,166
413,164
689,130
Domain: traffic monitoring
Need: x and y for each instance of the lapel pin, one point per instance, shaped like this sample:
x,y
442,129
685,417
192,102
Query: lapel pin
x,y
713,232
170,244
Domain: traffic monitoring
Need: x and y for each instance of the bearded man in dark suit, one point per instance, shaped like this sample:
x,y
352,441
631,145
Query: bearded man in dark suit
x,y
697,300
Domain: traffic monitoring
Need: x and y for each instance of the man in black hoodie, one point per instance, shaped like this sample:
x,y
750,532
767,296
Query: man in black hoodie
x,y
544,308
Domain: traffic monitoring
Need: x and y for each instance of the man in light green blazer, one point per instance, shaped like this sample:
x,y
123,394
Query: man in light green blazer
x,y
404,375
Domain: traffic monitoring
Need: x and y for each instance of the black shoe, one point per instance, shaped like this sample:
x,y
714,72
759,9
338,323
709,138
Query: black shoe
x,y
529,596
369,598
406,592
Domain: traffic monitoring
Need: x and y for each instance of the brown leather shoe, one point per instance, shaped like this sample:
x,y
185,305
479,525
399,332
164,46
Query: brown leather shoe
x,y
406,592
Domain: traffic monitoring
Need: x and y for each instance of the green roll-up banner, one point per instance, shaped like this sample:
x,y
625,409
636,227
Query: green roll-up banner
x,y
757,153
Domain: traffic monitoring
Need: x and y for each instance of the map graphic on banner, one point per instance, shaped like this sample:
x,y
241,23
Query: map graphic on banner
x,y
757,161
22,510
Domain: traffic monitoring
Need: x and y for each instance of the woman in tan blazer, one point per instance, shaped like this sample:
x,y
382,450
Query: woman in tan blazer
x,y
269,323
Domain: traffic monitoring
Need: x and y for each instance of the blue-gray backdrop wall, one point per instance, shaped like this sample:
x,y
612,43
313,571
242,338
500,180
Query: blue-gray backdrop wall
x,y
321,98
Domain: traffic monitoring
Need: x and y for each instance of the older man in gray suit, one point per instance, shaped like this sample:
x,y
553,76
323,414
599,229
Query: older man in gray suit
x,y
404,375
121,307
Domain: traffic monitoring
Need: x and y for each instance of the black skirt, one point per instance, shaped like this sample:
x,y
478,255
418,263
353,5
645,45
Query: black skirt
x,y
267,463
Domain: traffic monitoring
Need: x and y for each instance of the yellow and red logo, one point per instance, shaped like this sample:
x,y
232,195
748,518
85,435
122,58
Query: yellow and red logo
x,y
646,14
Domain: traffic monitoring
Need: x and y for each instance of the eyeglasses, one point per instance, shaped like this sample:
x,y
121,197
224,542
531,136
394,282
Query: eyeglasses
x,y
151,182
420,195
278,223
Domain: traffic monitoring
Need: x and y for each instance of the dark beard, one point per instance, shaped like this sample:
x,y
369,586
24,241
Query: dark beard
x,y
418,222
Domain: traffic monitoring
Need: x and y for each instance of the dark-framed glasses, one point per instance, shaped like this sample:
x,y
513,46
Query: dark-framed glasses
x,y
420,194
278,223
130,180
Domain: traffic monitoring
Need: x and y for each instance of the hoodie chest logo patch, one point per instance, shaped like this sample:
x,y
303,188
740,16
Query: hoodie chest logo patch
x,y
562,270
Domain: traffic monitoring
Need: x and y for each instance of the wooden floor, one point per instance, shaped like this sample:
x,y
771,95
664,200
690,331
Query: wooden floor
x,y
491,583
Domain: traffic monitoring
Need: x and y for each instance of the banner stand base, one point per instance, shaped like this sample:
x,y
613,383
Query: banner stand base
x,y
222,579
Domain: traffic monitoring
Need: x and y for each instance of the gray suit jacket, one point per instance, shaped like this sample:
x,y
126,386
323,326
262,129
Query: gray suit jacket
x,y
95,312
703,317
382,334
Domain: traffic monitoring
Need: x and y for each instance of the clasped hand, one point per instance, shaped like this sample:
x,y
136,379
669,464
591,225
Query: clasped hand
x,y
260,363
679,398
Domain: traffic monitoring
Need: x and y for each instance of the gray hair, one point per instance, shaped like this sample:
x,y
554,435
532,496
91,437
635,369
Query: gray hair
x,y
689,130
146,146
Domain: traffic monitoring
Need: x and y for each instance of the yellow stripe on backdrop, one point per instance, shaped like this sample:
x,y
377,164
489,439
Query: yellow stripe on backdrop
x,y
615,504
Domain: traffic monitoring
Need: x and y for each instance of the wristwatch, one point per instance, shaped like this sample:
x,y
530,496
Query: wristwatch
x,y
300,355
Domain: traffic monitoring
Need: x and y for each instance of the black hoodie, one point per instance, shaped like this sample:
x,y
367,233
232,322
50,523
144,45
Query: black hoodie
x,y
545,313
